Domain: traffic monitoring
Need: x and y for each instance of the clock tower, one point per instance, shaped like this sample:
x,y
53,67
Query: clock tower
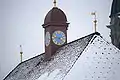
x,y
55,28
115,23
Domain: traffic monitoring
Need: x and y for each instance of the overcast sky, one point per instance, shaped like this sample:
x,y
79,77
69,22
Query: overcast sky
x,y
21,20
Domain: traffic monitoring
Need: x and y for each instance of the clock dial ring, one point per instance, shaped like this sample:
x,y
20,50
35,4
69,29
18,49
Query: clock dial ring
x,y
47,38
58,37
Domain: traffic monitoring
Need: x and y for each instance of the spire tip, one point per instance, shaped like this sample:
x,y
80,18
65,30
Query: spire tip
x,y
54,3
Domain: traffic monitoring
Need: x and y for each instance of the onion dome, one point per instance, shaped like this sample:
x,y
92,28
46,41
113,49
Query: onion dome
x,y
55,15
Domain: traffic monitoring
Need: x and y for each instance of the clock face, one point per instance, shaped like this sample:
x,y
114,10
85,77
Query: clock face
x,y
58,37
47,38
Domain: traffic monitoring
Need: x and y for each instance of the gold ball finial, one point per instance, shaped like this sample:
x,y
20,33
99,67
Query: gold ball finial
x,y
54,3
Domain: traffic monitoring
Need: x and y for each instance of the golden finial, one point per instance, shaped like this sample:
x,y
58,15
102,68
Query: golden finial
x,y
95,20
54,3
21,53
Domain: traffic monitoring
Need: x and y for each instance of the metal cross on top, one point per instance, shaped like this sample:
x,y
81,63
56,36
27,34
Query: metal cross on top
x,y
54,3
95,20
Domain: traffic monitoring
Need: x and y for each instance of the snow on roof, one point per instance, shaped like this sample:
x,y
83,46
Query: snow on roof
x,y
60,64
99,61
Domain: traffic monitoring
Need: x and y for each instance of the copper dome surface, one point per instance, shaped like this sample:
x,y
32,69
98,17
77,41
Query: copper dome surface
x,y
55,15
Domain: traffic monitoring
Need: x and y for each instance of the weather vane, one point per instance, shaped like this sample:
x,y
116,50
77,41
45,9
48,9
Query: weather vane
x,y
21,53
95,20
54,3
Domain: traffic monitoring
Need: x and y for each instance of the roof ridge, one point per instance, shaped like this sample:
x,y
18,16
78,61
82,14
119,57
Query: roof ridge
x,y
96,33
93,37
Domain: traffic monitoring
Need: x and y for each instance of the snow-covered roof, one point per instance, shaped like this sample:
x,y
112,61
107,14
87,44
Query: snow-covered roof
x,y
88,58
99,61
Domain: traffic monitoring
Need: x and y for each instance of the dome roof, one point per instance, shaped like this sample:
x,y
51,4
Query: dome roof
x,y
55,15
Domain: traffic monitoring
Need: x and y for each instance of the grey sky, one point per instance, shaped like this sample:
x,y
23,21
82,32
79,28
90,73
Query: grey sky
x,y
21,20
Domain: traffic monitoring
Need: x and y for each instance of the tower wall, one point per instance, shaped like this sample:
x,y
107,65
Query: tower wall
x,y
115,30
115,23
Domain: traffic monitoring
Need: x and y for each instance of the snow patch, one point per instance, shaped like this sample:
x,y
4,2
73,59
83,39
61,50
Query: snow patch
x,y
99,61
51,76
